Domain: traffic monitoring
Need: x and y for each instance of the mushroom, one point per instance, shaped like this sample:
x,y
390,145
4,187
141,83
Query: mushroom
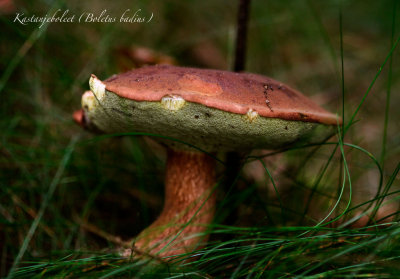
x,y
213,110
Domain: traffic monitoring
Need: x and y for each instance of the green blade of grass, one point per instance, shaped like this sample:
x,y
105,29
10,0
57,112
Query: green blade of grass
x,y
389,87
351,121
56,179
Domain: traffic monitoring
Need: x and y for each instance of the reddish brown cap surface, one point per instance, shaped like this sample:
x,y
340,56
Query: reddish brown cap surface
x,y
227,91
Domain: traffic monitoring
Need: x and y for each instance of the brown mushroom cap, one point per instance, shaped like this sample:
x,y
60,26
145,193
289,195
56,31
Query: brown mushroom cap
x,y
227,91
211,109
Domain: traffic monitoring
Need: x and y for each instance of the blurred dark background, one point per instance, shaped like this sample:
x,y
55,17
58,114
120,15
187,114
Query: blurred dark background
x,y
116,185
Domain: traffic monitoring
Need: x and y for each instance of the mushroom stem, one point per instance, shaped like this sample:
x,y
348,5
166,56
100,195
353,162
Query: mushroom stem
x,y
189,206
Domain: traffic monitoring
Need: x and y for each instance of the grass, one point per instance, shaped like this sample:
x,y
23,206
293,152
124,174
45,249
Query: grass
x,y
329,210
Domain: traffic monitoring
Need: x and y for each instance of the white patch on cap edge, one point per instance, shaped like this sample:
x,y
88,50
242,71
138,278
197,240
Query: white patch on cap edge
x,y
173,103
88,101
251,115
98,87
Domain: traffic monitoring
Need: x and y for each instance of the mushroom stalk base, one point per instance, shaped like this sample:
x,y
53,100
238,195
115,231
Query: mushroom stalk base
x,y
188,208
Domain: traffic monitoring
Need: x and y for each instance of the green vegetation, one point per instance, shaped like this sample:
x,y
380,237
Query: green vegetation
x,y
68,197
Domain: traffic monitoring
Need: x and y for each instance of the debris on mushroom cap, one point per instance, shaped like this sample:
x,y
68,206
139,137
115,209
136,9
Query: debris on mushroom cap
x,y
228,91
210,109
